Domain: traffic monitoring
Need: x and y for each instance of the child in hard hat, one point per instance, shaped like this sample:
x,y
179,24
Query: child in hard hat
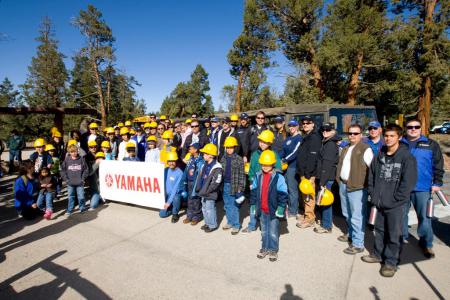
x,y
40,158
167,138
125,134
131,150
265,139
47,186
74,171
54,170
268,202
106,149
113,144
172,179
141,143
208,186
153,153
188,185
234,184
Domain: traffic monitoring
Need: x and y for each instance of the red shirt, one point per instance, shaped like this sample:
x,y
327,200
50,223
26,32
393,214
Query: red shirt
x,y
265,192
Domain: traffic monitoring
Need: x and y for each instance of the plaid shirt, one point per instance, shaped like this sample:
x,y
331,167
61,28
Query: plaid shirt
x,y
237,173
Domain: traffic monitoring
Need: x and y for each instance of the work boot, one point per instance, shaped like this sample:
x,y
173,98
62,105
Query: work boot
x,y
194,222
273,256
344,238
428,252
186,221
204,226
388,270
246,230
234,231
305,224
208,230
262,253
322,230
226,227
175,218
370,259
352,250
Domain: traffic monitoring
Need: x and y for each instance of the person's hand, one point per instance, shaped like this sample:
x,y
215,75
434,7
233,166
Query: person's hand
x,y
312,179
280,212
166,206
34,205
435,189
302,178
245,159
252,209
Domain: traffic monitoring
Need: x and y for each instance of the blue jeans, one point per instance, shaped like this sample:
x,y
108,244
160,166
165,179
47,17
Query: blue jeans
x,y
292,183
75,191
327,211
95,196
231,207
424,230
354,207
48,197
173,209
253,222
14,154
209,213
269,232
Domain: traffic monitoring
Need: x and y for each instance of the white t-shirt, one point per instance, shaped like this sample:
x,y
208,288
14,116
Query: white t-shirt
x,y
346,163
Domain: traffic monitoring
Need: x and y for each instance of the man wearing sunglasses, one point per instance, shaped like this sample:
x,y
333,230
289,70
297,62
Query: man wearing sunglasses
x,y
256,130
430,168
374,140
196,136
352,176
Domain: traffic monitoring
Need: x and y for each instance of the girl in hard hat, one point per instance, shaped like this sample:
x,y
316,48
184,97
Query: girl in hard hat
x,y
47,187
208,186
125,134
234,184
268,199
131,150
40,158
106,149
327,163
153,153
265,138
114,142
172,178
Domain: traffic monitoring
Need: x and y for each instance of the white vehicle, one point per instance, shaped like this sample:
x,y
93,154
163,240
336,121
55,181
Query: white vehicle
x,y
438,127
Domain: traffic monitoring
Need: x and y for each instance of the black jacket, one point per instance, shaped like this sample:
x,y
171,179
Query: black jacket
x,y
308,155
254,132
243,135
278,142
202,140
392,178
328,160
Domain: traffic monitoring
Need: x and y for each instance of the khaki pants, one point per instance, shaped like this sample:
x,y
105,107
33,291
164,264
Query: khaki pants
x,y
309,205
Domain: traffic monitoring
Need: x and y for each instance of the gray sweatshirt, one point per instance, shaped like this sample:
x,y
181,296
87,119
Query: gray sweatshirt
x,y
74,171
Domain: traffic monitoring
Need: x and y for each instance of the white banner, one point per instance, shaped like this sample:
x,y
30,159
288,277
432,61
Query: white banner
x,y
132,182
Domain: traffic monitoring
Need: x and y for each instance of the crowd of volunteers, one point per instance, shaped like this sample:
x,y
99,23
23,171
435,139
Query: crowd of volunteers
x,y
288,169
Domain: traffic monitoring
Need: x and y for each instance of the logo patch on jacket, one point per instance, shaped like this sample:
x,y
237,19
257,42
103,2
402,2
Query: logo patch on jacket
x,y
390,171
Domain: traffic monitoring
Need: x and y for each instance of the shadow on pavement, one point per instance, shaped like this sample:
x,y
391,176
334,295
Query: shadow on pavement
x,y
64,278
441,231
289,294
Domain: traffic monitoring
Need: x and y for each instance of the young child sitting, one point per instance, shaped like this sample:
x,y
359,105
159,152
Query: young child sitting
x,y
268,202
47,186
24,192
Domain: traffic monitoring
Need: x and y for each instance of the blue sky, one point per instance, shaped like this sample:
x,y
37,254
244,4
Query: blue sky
x,y
158,42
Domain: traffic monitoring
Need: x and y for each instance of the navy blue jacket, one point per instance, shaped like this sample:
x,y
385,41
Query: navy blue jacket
x,y
291,146
278,193
430,163
142,147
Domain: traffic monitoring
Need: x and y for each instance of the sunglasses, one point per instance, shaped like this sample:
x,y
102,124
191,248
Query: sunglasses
x,y
306,123
413,127
194,126
373,128
354,133
160,128
259,118
326,130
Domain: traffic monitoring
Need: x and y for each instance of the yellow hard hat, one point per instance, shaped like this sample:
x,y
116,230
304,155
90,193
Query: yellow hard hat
x,y
100,155
306,187
53,130
188,121
71,142
230,141
246,168
187,157
210,149
327,198
152,138
267,157
284,166
146,125
266,136
171,121
105,144
130,145
57,134
162,117
127,123
171,156
153,124
167,135
109,130
124,130
92,144
234,118
39,143
93,125
49,147
120,124
132,131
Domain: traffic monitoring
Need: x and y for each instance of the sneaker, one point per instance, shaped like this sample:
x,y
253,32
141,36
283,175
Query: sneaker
x,y
48,214
194,222
344,238
352,250
67,214
428,252
234,231
226,227
175,218
246,230
322,230
208,230
370,259
305,224
262,253
388,270
186,221
273,256
405,241
204,226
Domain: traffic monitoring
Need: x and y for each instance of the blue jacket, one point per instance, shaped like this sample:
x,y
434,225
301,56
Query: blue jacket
x,y
375,147
198,164
290,150
278,193
430,163
172,182
46,159
142,147
23,193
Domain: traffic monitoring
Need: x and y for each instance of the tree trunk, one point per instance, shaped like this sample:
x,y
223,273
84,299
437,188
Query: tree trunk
x,y
108,95
100,93
354,81
238,92
316,74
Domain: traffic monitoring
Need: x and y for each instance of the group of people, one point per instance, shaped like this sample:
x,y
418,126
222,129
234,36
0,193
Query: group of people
x,y
286,170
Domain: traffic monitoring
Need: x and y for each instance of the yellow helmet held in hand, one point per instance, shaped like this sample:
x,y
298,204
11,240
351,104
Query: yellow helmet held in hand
x,y
210,149
327,198
267,157
105,144
234,118
230,141
127,123
171,156
306,187
93,125
57,134
124,130
246,168
71,142
49,147
266,136
39,143
100,155
167,135
92,144
130,145
152,138
109,130
284,166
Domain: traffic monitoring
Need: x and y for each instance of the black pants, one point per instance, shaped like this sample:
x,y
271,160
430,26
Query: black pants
x,y
194,206
388,234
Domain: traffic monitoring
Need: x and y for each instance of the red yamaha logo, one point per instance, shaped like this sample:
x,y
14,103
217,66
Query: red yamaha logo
x,y
109,180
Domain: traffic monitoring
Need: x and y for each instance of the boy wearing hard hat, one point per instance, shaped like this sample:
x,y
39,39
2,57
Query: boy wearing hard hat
x,y
268,200
265,139
40,158
234,184
125,134
172,179
208,186
131,150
